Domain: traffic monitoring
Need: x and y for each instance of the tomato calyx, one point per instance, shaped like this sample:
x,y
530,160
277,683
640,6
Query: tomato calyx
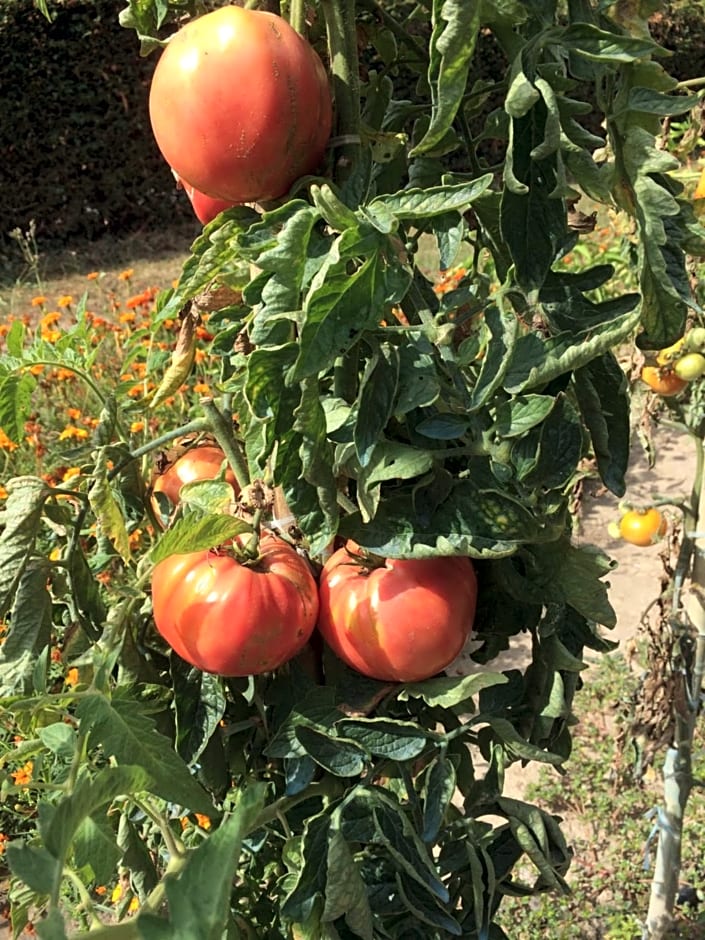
x,y
362,558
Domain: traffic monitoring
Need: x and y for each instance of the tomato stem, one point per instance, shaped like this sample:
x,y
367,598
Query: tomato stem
x,y
223,433
341,30
297,16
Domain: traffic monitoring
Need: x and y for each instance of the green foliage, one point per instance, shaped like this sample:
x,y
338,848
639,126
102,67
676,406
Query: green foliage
x,y
419,416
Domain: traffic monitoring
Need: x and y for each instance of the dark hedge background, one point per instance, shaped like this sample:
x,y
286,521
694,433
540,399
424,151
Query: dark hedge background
x,y
76,150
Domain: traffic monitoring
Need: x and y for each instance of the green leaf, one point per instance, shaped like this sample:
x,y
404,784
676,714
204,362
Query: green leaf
x,y
575,574
29,630
378,388
339,756
60,739
533,222
456,26
504,330
104,503
345,891
198,534
34,865
89,795
599,45
311,880
21,520
602,391
423,910
519,415
655,102
94,845
438,790
199,705
200,895
385,737
127,734
340,306
451,691
385,212
16,403
406,850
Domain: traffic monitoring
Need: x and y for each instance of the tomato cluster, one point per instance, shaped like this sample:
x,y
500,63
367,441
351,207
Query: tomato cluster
x,y
240,108
677,365
391,619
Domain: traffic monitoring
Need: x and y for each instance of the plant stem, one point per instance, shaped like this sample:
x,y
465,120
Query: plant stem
x,y
193,427
341,30
223,433
297,16
678,767
394,27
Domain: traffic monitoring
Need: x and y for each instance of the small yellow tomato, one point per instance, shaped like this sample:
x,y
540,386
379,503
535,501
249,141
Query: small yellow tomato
x,y
642,526
670,353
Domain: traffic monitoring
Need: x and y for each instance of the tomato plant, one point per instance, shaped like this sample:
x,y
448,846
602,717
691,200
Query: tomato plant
x,y
642,526
235,617
441,423
240,105
398,621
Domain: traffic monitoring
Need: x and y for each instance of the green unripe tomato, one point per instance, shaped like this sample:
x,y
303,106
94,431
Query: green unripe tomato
x,y
695,340
690,367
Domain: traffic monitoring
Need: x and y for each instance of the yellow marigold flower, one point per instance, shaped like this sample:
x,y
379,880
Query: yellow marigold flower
x,y
38,301
118,892
135,537
69,473
4,839
128,317
71,432
136,427
71,679
74,413
134,905
126,274
51,336
203,821
5,442
93,276
55,554
201,354
65,300
23,776
50,318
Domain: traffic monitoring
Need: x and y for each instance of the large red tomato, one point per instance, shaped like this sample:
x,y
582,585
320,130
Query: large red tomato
x,y
401,622
198,463
235,619
240,105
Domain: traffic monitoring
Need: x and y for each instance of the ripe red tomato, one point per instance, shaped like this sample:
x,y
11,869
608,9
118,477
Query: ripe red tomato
x,y
235,619
663,381
205,208
240,105
642,526
402,622
198,463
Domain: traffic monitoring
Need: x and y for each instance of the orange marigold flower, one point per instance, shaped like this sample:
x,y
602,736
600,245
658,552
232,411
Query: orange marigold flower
x,y
135,391
201,354
74,413
69,473
92,276
136,427
38,301
56,655
50,318
101,890
135,537
62,374
126,274
37,369
127,317
71,679
4,839
51,336
3,492
71,432
5,442
201,388
138,300
203,821
65,300
23,776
